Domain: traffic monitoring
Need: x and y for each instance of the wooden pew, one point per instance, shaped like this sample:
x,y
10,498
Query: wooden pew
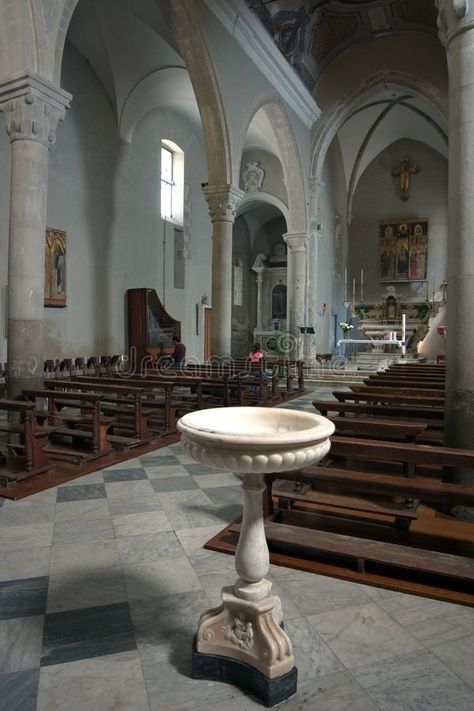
x,y
358,388
401,383
76,415
410,456
30,458
432,415
124,402
379,428
167,399
415,400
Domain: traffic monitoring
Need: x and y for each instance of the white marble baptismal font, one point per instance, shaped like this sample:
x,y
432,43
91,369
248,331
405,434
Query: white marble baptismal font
x,y
247,627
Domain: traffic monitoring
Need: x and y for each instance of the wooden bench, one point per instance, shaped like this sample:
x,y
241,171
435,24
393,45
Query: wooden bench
x,y
409,486
396,383
30,458
364,553
124,402
76,415
167,399
432,415
409,455
390,391
400,399
379,428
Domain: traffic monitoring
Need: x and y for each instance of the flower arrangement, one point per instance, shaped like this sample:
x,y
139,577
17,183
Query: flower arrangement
x,y
345,327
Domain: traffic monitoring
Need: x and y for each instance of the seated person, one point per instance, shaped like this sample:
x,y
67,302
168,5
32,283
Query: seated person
x,y
179,353
255,354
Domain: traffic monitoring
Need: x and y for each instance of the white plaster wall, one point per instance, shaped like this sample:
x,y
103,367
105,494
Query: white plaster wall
x,y
105,193
273,181
244,90
377,198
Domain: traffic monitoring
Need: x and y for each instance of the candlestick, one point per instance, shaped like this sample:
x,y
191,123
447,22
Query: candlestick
x,y
345,284
362,284
353,291
404,324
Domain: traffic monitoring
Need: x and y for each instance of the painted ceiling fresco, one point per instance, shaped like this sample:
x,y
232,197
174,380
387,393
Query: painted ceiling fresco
x,y
311,33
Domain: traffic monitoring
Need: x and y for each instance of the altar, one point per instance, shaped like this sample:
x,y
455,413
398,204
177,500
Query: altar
x,y
271,297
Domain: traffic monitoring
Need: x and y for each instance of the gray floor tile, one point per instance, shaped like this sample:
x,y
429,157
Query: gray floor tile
x,y
109,683
20,643
95,588
414,682
178,483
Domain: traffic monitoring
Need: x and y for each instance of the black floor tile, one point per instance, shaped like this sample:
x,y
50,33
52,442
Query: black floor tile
x,y
124,475
18,690
23,598
92,632
81,493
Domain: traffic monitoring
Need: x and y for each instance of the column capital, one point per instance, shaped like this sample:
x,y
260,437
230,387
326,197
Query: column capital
x,y
454,17
223,201
32,107
297,241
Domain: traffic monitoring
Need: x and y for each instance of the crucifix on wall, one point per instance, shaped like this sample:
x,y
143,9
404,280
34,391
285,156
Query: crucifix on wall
x,y
404,171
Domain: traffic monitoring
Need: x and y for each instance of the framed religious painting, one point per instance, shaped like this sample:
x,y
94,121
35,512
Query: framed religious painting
x,y
403,250
55,268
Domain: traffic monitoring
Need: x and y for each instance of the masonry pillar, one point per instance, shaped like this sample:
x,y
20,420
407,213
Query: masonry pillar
x,y
32,108
297,277
456,22
259,272
222,201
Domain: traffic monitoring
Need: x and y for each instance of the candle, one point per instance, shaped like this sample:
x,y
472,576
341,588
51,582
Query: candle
x,y
345,284
353,291
361,284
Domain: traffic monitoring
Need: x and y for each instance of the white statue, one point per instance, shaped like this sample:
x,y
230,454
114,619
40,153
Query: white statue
x,y
259,262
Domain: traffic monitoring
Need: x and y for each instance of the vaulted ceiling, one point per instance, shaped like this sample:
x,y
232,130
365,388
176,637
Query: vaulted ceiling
x,y
311,33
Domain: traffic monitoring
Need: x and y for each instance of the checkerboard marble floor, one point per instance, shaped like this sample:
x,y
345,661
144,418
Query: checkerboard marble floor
x,y
102,581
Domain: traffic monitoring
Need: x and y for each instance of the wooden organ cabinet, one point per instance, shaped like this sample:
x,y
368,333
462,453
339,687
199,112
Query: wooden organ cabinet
x,y
150,327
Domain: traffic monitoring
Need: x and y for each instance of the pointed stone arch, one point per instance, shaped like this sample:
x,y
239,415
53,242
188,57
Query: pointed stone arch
x,y
37,29
331,123
292,171
198,62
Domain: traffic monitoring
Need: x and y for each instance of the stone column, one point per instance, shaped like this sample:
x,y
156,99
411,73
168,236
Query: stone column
x,y
32,108
456,23
222,201
259,272
298,246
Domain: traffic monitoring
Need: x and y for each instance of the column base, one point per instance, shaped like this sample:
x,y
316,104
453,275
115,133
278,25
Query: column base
x,y
215,667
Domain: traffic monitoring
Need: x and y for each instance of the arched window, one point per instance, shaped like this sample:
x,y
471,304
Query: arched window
x,y
238,282
279,301
172,181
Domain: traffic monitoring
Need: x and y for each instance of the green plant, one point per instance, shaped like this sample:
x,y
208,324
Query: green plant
x,y
422,310
362,311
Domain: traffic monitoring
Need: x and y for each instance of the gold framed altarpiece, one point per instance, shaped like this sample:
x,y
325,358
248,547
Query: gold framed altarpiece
x,y
55,268
403,248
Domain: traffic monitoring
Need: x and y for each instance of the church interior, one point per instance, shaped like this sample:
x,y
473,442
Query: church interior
x,y
184,183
